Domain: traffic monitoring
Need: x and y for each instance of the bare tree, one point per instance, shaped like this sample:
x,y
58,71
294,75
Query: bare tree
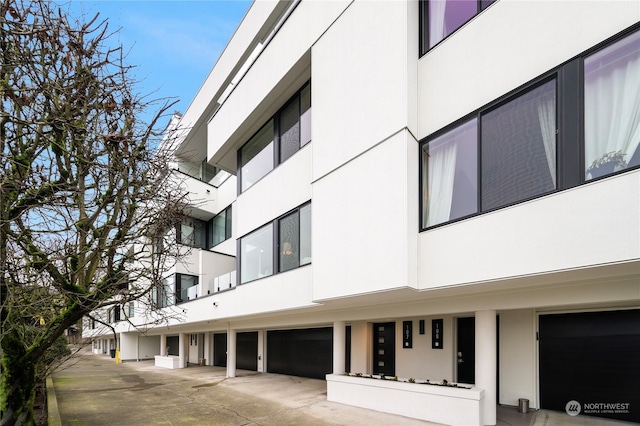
x,y
83,187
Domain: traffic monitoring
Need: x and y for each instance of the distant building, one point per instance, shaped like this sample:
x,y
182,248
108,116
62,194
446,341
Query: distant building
x,y
421,189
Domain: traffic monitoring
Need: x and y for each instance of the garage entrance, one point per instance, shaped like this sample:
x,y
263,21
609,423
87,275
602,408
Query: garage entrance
x,y
303,352
591,358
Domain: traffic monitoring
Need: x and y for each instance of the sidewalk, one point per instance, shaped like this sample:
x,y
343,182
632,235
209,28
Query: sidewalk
x,y
94,390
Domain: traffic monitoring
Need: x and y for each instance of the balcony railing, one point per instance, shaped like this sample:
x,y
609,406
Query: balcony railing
x,y
215,285
221,283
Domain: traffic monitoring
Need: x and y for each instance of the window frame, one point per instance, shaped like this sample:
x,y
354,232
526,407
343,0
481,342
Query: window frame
x,y
276,243
423,24
570,142
198,225
227,227
277,148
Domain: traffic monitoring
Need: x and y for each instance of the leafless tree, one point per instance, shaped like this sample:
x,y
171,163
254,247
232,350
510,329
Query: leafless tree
x,y
84,186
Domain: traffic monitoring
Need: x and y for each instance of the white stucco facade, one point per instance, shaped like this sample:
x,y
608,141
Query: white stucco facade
x,y
374,269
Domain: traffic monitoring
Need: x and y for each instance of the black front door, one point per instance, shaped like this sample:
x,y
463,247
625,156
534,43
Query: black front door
x,y
466,350
384,348
247,351
220,349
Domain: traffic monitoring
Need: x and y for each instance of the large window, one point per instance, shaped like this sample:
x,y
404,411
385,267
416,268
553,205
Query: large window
x,y
163,295
192,232
450,178
256,254
256,156
612,108
294,240
440,18
515,149
518,141
183,283
282,136
260,257
220,227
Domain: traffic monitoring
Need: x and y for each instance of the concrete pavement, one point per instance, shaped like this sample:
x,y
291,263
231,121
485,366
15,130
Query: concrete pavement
x,y
94,390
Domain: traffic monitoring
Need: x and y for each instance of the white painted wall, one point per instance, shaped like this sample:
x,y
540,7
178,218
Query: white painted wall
x,y
479,64
359,225
134,346
284,188
590,225
361,346
359,77
148,346
305,25
285,291
422,362
213,265
517,369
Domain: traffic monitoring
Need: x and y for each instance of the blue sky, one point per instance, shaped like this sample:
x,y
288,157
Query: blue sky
x,y
174,44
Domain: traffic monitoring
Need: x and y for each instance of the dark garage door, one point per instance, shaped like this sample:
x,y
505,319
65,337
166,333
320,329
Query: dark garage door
x,y
220,349
305,353
592,358
247,351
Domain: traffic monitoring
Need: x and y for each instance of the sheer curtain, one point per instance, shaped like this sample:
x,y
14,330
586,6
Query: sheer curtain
x,y
547,118
436,21
441,172
612,101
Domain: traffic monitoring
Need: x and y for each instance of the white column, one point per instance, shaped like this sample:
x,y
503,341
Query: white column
x,y
339,347
231,352
208,347
182,350
163,345
486,366
261,362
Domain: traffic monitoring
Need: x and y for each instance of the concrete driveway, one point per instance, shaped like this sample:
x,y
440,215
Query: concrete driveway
x,y
93,390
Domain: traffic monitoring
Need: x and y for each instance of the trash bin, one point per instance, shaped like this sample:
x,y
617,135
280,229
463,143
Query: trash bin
x,y
203,361
523,405
113,353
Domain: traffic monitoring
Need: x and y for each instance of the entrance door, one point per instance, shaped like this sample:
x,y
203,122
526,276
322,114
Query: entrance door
x,y
384,348
247,351
220,349
466,350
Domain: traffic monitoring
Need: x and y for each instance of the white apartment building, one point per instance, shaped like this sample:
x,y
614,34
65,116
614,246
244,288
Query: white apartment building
x,y
428,190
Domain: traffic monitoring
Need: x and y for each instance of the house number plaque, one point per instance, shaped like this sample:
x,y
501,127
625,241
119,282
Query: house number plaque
x,y
407,334
436,334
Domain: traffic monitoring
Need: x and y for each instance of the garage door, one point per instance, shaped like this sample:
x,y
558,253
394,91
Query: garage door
x,y
247,351
591,358
306,353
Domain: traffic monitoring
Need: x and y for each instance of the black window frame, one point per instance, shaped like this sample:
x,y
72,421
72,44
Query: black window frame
x,y
423,25
276,245
570,143
177,282
276,136
198,226
227,227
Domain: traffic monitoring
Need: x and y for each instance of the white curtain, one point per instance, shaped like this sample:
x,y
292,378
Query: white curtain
x,y
547,119
441,172
612,107
436,21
